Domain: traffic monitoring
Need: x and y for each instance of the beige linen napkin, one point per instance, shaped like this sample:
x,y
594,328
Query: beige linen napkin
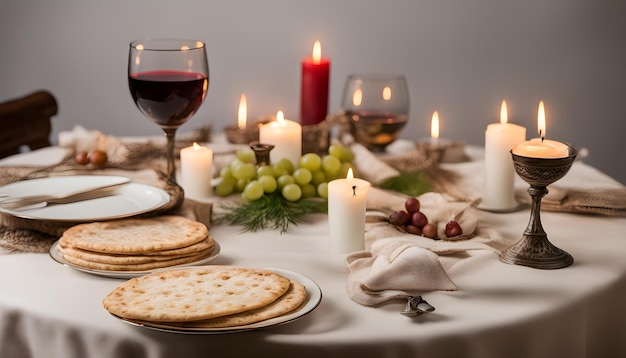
x,y
393,269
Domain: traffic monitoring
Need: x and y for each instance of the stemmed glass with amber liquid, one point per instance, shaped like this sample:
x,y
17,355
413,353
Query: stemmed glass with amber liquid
x,y
168,80
377,108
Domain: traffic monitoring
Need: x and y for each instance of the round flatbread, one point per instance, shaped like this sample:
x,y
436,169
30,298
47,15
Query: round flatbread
x,y
288,302
140,266
136,235
203,247
195,293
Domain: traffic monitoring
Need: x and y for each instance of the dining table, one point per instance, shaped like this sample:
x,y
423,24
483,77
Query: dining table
x,y
48,309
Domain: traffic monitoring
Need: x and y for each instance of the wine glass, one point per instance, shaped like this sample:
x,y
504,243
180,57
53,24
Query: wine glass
x,y
377,107
168,80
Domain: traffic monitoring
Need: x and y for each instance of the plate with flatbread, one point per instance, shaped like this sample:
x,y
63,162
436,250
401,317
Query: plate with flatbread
x,y
132,247
214,299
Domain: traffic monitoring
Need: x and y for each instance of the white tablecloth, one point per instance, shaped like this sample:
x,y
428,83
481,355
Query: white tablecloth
x,y
499,310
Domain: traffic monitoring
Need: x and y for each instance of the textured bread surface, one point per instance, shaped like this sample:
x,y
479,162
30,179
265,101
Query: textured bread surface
x,y
136,235
195,293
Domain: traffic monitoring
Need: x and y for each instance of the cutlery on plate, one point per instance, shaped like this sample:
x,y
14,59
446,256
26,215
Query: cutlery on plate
x,y
41,200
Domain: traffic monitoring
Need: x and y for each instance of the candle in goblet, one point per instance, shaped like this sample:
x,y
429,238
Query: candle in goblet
x,y
243,133
196,171
500,138
541,147
285,135
346,214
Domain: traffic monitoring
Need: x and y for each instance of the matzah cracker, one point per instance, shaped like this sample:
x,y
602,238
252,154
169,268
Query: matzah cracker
x,y
196,293
181,260
203,247
136,235
288,302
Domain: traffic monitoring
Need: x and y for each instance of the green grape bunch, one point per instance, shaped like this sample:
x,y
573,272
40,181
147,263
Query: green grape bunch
x,y
293,181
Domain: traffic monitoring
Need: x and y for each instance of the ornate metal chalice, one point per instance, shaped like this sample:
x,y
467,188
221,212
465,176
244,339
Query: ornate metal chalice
x,y
534,249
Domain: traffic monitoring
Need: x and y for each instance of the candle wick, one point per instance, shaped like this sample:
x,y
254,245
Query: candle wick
x,y
354,190
541,135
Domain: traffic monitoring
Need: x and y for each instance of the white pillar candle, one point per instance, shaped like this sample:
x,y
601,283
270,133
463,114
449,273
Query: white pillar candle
x,y
346,214
196,171
541,147
286,136
500,138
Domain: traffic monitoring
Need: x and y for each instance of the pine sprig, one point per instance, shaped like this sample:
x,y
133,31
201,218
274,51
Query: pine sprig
x,y
271,211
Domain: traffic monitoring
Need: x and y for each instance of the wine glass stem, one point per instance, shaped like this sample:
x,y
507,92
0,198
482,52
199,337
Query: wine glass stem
x,y
170,135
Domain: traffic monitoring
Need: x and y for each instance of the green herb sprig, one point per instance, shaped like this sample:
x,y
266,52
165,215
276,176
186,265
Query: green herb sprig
x,y
271,211
413,183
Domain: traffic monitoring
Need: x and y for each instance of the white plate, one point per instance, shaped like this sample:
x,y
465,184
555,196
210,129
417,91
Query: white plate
x,y
127,200
314,297
58,257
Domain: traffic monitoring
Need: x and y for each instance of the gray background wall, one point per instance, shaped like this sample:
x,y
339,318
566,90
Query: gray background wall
x,y
461,58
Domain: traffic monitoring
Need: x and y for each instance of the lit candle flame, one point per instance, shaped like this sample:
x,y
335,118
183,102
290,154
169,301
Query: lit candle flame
x,y
242,114
184,48
434,126
280,117
196,146
504,113
357,97
541,121
317,52
350,175
387,93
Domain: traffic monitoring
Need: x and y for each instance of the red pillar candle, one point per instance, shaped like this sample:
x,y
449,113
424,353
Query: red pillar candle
x,y
314,91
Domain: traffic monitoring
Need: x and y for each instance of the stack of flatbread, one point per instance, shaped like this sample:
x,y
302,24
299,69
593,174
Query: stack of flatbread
x,y
205,297
136,244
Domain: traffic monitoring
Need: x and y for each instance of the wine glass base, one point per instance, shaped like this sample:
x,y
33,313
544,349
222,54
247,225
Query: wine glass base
x,y
536,252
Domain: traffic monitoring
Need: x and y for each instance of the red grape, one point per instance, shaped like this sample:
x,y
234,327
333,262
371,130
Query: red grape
x,y
81,158
419,219
97,158
412,229
412,205
453,229
429,230
400,218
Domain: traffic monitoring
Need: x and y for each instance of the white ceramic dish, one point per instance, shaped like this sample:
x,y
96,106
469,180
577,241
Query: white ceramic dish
x,y
126,200
58,257
314,297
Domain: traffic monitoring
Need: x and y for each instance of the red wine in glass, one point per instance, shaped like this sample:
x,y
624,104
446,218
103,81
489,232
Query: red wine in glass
x,y
168,80
169,98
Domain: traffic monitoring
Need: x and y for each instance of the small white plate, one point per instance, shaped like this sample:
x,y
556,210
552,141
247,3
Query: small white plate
x,y
127,200
313,299
58,257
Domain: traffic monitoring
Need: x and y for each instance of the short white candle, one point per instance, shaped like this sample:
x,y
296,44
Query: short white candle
x,y
541,147
346,214
196,171
500,138
285,135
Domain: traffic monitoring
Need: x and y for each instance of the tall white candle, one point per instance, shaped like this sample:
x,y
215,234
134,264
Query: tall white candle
x,y
285,135
196,171
346,214
500,138
541,147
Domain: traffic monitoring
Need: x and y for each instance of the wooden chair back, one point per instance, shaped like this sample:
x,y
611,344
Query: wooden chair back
x,y
26,121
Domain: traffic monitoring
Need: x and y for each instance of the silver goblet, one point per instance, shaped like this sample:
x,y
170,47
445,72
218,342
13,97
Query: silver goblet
x,y
534,249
